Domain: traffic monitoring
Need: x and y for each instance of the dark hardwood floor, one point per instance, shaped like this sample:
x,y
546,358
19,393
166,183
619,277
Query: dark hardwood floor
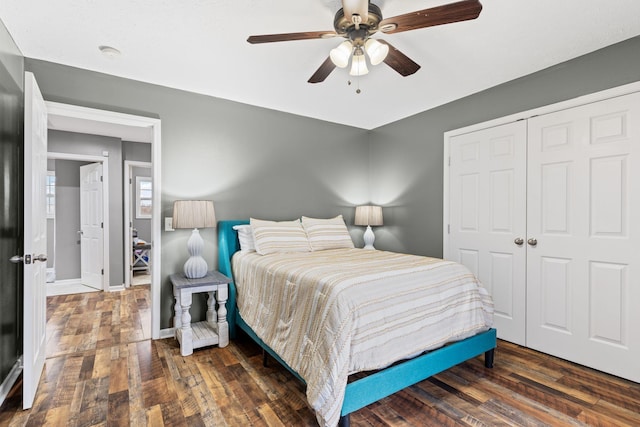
x,y
103,370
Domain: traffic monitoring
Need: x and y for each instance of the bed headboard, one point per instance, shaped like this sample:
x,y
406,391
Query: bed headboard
x,y
227,246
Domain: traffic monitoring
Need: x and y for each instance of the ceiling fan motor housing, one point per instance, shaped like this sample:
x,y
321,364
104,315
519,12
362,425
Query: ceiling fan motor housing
x,y
346,28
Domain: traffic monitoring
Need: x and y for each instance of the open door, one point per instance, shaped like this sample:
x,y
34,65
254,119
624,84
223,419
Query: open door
x,y
91,224
35,238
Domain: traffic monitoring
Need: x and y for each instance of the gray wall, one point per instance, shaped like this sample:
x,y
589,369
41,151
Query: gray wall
x,y
407,156
78,143
138,151
251,161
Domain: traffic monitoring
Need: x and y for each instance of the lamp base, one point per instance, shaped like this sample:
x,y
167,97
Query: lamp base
x,y
195,267
369,238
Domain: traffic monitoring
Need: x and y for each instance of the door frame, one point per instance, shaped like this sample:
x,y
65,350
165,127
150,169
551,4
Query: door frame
x,y
52,155
523,115
128,217
75,118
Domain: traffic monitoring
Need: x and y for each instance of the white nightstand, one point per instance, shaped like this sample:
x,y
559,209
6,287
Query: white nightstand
x,y
215,330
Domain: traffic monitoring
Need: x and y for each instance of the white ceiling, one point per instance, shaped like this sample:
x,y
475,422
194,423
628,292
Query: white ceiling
x,y
200,46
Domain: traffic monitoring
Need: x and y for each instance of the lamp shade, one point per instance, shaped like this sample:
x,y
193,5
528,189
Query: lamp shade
x,y
193,214
368,215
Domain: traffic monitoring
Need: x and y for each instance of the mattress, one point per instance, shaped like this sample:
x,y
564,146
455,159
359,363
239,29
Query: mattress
x,y
332,313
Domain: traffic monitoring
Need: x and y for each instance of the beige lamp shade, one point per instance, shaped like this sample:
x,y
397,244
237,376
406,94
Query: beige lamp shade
x,y
193,214
368,215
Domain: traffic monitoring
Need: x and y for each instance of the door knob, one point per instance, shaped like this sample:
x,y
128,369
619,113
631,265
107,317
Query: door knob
x,y
532,241
41,258
519,241
16,259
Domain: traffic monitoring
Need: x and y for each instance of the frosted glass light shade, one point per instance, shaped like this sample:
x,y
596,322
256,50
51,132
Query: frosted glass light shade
x,y
341,54
377,51
358,64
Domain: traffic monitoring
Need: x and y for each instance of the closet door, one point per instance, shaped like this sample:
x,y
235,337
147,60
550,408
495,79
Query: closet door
x,y
487,185
583,220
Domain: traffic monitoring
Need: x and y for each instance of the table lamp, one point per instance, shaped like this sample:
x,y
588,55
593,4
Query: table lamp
x,y
194,214
369,216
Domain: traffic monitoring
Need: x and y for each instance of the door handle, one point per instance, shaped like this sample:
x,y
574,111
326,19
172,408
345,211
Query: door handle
x,y
519,241
532,241
80,232
16,259
41,258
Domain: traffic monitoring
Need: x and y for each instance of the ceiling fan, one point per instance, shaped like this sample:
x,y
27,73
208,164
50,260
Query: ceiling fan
x,y
358,20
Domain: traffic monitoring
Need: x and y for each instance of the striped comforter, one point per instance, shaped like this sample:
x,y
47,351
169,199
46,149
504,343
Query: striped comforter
x,y
332,313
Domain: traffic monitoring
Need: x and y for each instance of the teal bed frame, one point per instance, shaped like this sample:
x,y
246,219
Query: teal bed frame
x,y
371,388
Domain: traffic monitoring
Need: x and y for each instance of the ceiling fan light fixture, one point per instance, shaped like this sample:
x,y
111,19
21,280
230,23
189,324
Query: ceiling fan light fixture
x,y
358,64
377,51
341,54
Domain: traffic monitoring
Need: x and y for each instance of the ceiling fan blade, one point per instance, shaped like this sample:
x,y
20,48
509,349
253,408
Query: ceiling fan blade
x,y
323,72
356,7
270,38
400,62
445,14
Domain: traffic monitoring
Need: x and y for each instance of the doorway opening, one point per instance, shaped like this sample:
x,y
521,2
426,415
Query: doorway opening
x,y
138,213
127,127
77,224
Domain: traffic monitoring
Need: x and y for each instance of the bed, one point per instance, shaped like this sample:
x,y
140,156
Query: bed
x,y
350,396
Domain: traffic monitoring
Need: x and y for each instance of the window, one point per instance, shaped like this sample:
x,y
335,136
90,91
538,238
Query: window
x,y
143,196
50,194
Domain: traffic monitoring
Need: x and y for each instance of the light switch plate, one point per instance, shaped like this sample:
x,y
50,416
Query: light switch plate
x,y
168,224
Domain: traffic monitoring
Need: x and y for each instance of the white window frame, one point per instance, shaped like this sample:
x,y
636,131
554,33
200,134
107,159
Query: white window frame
x,y
139,198
49,196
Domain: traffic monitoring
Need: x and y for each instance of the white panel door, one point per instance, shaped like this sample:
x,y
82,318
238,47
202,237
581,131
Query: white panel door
x,y
35,238
91,228
583,296
487,216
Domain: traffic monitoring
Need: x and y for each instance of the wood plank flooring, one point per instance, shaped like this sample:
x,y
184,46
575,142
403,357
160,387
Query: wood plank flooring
x,y
103,370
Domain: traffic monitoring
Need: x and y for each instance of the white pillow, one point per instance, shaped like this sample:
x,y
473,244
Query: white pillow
x,y
327,233
245,236
279,236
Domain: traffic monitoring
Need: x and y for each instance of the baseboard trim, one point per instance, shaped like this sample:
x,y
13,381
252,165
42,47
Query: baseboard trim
x,y
167,333
77,281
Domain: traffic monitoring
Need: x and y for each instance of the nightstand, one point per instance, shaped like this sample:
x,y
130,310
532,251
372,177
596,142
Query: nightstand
x,y
215,330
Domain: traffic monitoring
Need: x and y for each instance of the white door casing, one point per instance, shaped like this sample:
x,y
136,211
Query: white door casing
x,y
584,205
35,239
91,226
487,215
